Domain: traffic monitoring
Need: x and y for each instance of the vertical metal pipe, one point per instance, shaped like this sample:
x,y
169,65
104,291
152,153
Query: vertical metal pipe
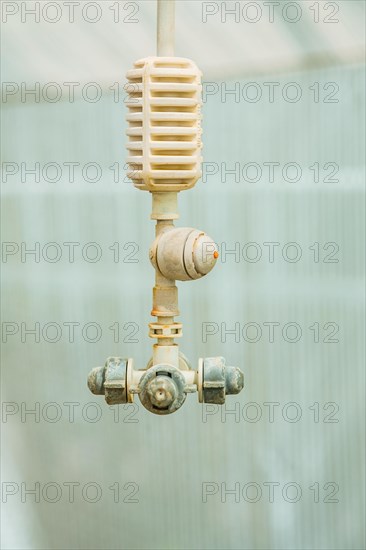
x,y
166,28
165,204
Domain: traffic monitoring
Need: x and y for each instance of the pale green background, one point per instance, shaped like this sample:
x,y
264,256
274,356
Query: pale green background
x,y
169,458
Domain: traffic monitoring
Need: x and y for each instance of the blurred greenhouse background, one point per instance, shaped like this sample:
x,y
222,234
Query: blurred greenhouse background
x,y
313,130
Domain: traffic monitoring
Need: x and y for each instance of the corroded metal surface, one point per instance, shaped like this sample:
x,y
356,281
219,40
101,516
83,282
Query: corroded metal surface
x,y
110,380
115,384
220,380
162,389
96,381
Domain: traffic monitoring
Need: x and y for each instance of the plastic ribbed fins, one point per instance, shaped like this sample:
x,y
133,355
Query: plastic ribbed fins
x,y
164,124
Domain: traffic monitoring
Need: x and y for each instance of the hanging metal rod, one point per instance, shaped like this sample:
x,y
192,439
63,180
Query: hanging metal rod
x,y
166,28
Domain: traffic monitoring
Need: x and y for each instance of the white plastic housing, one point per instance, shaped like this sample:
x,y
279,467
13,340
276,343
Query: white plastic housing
x,y
164,102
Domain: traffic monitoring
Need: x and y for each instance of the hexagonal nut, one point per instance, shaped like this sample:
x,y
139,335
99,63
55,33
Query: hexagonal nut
x,y
213,383
218,380
115,385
